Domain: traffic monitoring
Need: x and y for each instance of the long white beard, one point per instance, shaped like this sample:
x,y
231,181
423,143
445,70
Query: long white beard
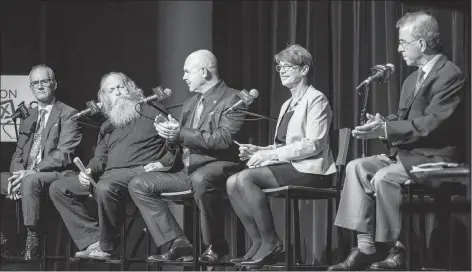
x,y
123,112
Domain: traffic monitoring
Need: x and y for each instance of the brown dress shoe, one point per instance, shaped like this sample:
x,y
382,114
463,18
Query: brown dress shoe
x,y
355,261
394,261
180,251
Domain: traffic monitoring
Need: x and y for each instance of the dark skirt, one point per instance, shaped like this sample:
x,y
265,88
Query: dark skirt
x,y
286,174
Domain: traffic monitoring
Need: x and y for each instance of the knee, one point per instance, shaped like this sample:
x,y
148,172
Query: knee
x,y
382,180
137,186
30,184
200,184
102,190
232,185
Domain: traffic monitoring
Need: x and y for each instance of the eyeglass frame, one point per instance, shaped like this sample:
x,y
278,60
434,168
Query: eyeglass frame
x,y
43,82
279,67
402,44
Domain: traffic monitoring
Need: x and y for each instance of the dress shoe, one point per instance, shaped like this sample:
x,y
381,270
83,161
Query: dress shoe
x,y
86,252
178,252
32,246
355,261
99,254
269,258
394,261
238,261
210,256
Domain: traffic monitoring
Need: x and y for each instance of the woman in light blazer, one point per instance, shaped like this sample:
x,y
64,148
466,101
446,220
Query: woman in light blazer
x,y
300,155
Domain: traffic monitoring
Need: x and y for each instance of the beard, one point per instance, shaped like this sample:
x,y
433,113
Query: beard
x,y
121,112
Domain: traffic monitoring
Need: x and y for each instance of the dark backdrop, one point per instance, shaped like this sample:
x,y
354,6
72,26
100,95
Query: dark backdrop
x,y
149,40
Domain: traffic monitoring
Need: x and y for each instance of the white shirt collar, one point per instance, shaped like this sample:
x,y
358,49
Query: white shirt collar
x,y
48,107
428,66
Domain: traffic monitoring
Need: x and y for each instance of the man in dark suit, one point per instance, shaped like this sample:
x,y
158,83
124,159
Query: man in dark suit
x,y
127,146
45,147
206,133
420,132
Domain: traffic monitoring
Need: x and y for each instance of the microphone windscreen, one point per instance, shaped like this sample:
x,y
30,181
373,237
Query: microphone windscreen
x,y
168,92
254,93
391,66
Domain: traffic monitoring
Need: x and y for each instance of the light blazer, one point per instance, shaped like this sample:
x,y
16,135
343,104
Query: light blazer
x,y
307,141
59,140
428,127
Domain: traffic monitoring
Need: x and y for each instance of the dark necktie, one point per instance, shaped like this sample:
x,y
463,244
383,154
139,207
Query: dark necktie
x,y
196,120
419,80
36,147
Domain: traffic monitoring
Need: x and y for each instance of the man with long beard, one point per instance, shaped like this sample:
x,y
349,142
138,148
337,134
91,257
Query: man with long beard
x,y
128,145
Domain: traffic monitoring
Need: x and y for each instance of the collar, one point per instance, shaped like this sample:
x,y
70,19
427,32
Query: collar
x,y
428,66
48,107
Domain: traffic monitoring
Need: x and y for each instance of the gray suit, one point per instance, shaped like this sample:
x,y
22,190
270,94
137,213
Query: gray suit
x,y
416,135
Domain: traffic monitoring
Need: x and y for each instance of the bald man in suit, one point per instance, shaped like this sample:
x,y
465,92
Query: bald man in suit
x,y
46,144
429,109
205,133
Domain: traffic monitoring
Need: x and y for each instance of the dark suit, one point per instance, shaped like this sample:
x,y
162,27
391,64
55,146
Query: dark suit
x,y
59,140
426,128
213,158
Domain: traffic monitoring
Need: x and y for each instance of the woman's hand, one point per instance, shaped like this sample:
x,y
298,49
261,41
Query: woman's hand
x,y
262,156
247,150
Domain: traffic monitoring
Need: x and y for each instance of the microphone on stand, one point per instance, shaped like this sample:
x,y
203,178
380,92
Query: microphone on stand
x,y
21,112
159,95
246,98
92,108
380,73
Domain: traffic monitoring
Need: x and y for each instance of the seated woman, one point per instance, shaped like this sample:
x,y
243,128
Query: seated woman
x,y
300,156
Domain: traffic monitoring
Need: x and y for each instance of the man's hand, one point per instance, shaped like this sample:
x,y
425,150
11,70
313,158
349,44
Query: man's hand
x,y
373,118
14,182
247,150
153,166
14,196
262,156
167,129
84,177
371,130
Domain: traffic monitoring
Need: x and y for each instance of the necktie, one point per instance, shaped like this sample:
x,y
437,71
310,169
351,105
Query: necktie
x,y
419,80
196,120
35,148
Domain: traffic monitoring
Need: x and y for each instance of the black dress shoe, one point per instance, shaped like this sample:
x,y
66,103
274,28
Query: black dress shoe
x,y
210,256
178,252
355,261
32,246
394,261
269,258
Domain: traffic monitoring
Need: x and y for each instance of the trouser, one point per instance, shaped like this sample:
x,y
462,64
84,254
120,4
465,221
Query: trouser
x,y
31,188
208,183
68,195
372,180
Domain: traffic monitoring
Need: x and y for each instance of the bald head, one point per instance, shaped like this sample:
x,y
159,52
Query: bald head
x,y
202,59
201,71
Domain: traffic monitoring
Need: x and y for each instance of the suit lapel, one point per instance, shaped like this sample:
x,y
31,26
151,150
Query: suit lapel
x,y
53,116
431,75
30,123
211,102
283,109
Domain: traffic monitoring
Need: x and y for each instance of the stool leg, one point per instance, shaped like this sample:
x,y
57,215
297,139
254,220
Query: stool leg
x,y
409,230
296,231
423,233
68,251
329,232
288,232
196,236
123,242
18,215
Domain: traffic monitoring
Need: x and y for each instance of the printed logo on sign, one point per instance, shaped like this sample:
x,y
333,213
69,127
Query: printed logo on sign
x,y
7,109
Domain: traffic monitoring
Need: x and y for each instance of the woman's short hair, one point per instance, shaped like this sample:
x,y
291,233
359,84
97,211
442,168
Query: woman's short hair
x,y
295,54
424,26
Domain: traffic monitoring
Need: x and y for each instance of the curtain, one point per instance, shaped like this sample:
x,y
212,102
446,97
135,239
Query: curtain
x,y
345,38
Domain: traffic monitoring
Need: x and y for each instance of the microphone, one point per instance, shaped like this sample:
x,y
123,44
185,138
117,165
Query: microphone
x,y
159,94
21,112
81,166
380,73
92,108
246,98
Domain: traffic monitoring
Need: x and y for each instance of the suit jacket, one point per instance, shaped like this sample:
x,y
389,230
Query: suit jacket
x,y
59,140
212,139
428,127
307,141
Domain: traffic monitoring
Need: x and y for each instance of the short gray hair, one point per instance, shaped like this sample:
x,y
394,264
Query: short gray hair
x,y
424,27
296,55
45,67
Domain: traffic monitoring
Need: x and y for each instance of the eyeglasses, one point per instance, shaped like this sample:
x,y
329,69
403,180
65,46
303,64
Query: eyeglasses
x,y
403,43
279,68
44,82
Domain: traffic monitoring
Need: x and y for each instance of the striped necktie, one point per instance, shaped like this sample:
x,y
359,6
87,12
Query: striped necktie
x,y
419,80
35,148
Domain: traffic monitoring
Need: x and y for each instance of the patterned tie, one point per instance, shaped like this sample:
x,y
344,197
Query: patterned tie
x,y
419,80
196,120
35,148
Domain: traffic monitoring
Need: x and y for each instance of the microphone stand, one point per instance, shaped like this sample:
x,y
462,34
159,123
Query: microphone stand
x,y
258,115
363,117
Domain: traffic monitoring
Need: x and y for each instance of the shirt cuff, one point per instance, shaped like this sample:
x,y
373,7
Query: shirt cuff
x,y
385,132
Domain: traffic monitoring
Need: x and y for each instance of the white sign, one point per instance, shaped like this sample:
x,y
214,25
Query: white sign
x,y
14,90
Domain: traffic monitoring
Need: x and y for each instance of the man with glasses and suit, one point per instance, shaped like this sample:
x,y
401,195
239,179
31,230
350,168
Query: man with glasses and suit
x,y
206,133
429,109
46,144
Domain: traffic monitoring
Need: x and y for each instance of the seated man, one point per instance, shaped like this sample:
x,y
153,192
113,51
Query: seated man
x,y
127,144
206,133
429,109
45,147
